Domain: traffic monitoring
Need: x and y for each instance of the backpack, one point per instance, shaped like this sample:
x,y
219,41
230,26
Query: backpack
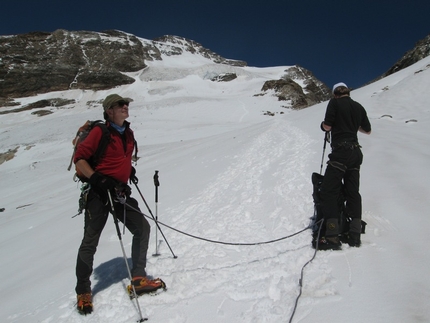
x,y
344,219
81,135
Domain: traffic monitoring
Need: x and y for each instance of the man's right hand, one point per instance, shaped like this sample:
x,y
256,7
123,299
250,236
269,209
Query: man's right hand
x,y
324,127
101,184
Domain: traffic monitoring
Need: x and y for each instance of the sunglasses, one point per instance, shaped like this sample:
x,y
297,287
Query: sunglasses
x,y
121,104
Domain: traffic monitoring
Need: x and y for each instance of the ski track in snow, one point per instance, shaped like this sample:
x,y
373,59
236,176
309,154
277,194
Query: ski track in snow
x,y
221,213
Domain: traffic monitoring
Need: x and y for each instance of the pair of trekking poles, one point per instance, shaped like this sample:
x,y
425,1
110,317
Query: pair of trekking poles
x,y
157,184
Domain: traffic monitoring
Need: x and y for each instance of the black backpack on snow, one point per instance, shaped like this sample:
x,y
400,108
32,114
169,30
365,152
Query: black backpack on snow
x,y
316,220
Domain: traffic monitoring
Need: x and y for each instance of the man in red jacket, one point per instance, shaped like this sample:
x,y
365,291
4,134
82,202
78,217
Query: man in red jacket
x,y
111,173
344,118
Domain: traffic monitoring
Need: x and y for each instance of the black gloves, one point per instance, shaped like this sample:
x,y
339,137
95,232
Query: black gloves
x,y
321,126
133,178
101,184
123,189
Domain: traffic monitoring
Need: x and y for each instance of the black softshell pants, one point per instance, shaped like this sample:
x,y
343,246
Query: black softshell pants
x,y
96,215
343,168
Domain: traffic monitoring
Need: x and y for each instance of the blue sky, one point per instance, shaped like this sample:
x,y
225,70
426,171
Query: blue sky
x,y
349,41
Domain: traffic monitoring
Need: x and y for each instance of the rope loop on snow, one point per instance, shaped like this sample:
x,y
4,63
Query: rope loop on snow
x,y
220,242
233,244
250,244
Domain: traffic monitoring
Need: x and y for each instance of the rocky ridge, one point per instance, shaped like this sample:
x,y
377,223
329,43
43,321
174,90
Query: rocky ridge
x,y
42,62
288,89
420,51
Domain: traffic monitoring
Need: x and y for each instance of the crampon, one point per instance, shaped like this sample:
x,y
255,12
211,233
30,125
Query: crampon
x,y
144,285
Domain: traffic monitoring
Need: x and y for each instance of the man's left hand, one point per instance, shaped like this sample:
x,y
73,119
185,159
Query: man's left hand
x,y
133,177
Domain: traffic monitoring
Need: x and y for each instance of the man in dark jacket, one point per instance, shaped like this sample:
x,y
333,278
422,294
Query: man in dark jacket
x,y
344,118
111,174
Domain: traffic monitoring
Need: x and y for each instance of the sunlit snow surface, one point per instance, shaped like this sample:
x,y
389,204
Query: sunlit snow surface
x,y
228,173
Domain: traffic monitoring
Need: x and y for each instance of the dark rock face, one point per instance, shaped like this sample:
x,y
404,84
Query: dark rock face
x,y
287,89
50,103
227,77
420,51
43,62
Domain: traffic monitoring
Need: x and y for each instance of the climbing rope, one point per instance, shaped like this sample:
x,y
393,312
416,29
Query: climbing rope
x,y
220,242
252,244
303,268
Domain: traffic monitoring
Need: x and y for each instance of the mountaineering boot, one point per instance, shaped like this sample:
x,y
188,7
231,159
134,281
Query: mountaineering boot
x,y
343,237
354,239
84,304
355,225
327,243
143,285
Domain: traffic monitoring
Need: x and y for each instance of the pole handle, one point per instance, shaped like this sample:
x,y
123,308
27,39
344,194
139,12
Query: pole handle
x,y
156,184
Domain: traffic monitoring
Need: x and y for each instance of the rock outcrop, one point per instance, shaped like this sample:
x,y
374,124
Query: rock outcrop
x,y
420,51
287,88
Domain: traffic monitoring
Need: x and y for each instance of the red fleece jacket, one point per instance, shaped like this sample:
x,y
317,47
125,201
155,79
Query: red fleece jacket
x,y
116,161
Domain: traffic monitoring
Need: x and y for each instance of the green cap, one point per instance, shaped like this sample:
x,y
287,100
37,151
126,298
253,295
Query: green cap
x,y
112,99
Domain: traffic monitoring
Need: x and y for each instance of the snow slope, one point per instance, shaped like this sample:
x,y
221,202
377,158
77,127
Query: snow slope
x,y
227,173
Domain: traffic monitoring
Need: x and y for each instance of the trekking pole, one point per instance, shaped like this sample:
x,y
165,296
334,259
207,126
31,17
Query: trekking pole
x,y
156,222
118,231
326,139
156,184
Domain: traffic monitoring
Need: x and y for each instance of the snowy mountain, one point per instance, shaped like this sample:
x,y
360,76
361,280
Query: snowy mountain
x,y
41,62
228,173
